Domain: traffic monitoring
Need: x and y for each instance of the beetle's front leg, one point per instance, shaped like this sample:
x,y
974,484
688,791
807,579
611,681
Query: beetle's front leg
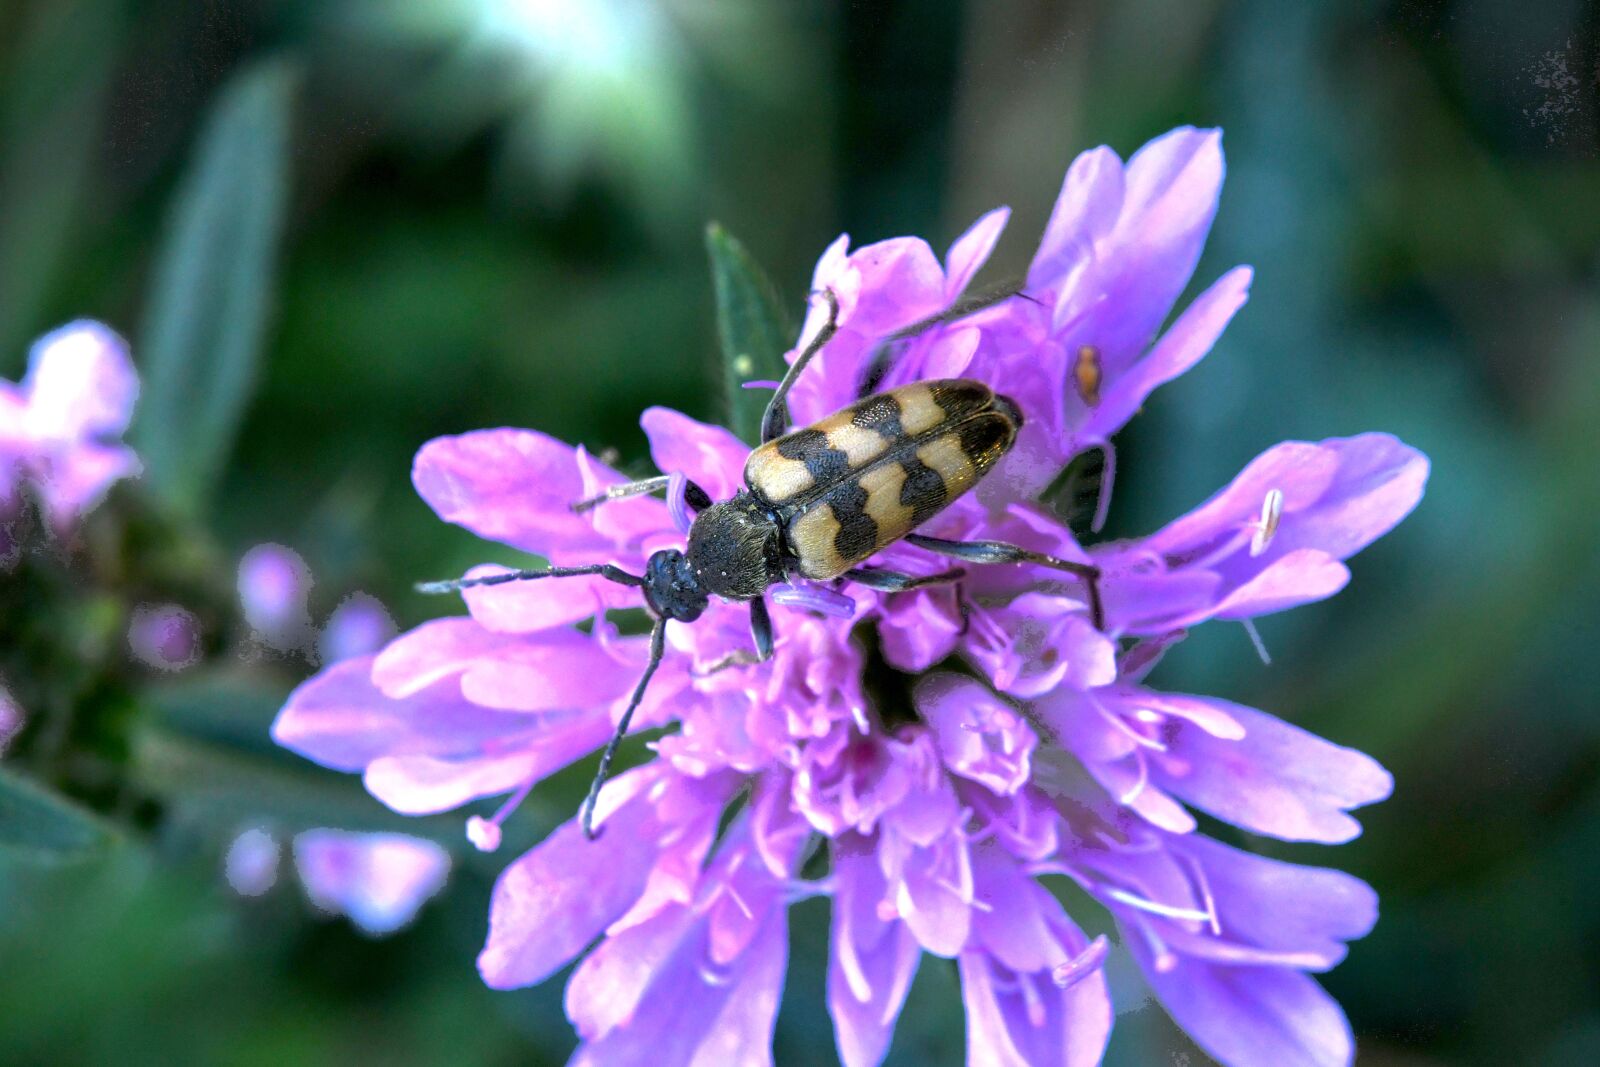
x,y
760,636
775,420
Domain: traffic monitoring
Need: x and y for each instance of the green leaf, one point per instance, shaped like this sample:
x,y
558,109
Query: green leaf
x,y
751,326
211,291
40,825
52,117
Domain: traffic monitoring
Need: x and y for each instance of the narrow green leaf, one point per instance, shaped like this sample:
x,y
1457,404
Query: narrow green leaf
x,y
37,824
751,326
212,287
52,116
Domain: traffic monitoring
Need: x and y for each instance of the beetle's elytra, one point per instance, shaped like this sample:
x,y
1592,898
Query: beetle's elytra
x,y
864,477
817,502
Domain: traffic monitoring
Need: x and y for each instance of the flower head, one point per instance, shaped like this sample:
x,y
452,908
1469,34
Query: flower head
x,y
940,801
60,426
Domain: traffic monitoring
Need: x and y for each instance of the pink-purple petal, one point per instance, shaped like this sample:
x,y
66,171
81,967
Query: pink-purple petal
x,y
518,487
1027,1019
1251,1016
873,959
1184,344
341,720
710,456
1277,779
553,901
971,250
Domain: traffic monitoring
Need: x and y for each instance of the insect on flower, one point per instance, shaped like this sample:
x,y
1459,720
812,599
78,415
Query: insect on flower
x,y
817,501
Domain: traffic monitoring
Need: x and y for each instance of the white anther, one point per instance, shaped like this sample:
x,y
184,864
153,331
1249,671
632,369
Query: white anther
x,y
1267,525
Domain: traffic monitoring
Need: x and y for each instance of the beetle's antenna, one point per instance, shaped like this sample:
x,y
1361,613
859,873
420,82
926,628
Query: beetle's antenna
x,y
605,570
658,644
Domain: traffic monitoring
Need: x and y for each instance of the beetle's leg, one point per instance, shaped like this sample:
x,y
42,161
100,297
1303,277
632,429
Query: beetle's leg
x,y
883,357
760,636
607,571
813,597
695,496
775,420
658,644
1001,552
895,582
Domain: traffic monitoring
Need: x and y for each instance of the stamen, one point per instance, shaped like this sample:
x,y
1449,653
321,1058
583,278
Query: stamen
x,y
1087,375
1267,525
1255,639
1144,779
1133,735
1197,875
485,833
1081,966
1165,959
714,975
677,506
965,897
738,901
859,714
1033,1003
1168,911
1108,479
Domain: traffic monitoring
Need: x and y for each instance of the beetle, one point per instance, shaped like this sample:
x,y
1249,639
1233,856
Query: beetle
x,y
817,501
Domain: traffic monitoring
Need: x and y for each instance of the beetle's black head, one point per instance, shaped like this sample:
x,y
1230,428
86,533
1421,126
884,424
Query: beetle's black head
x,y
736,548
670,587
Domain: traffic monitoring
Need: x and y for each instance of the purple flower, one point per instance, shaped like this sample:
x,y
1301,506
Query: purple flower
x,y
164,636
359,626
940,803
12,719
251,863
274,584
378,880
59,428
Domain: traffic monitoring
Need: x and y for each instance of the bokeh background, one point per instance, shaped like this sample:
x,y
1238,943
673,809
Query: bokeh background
x,y
495,215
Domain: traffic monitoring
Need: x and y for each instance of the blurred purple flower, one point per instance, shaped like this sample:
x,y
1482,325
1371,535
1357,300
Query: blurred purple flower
x,y
11,719
274,584
60,427
164,636
359,626
251,865
379,880
940,808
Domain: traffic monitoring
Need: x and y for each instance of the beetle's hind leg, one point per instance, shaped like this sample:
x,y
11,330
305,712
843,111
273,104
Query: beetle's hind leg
x,y
1002,552
896,582
760,636
775,420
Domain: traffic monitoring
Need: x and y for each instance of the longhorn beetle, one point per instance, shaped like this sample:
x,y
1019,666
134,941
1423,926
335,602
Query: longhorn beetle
x,y
816,502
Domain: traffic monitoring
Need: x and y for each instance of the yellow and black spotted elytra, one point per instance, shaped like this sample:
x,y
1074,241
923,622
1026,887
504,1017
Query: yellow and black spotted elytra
x,y
817,502
864,477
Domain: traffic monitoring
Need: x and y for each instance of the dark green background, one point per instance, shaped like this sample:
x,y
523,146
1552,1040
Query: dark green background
x,y
1417,185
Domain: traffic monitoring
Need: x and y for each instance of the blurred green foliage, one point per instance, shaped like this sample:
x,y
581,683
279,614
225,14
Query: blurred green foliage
x,y
501,222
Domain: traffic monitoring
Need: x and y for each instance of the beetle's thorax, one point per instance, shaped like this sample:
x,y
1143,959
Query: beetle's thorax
x,y
736,548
